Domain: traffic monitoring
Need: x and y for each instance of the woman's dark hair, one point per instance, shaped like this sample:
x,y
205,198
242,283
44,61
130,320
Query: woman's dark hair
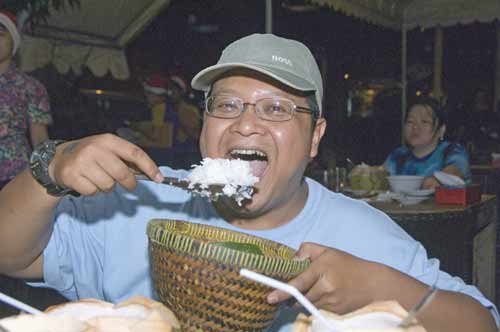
x,y
438,112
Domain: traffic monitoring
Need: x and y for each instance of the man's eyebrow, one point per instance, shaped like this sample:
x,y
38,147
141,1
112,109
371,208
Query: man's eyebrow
x,y
236,92
226,91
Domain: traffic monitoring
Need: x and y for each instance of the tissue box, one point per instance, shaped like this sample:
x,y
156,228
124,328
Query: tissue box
x,y
458,195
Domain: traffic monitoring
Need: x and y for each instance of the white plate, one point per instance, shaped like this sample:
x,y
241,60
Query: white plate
x,y
410,200
420,193
360,192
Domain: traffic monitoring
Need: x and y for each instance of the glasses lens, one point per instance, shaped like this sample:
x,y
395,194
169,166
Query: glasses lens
x,y
224,107
275,109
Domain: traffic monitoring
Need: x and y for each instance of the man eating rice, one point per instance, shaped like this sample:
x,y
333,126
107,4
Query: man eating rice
x,y
263,104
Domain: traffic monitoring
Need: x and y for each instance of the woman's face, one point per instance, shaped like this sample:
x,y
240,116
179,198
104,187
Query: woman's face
x,y
421,128
6,44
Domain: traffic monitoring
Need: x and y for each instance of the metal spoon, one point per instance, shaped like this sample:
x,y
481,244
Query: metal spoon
x,y
421,305
212,191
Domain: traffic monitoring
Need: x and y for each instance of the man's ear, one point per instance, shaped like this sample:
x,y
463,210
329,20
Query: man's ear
x,y
318,132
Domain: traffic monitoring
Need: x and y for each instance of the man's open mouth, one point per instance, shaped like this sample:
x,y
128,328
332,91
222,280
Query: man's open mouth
x,y
257,158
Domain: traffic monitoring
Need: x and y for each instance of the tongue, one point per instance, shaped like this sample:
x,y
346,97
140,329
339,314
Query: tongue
x,y
258,167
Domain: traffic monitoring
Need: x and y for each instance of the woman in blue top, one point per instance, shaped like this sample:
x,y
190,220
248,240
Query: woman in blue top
x,y
426,150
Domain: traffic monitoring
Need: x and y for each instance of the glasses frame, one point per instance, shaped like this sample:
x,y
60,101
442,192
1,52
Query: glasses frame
x,y
295,108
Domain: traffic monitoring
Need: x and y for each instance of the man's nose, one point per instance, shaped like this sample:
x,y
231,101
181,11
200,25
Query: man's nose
x,y
248,122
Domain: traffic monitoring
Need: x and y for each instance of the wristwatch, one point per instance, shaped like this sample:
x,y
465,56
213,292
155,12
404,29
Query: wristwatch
x,y
40,159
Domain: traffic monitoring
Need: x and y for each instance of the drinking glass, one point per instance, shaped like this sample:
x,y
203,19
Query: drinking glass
x,y
335,179
340,179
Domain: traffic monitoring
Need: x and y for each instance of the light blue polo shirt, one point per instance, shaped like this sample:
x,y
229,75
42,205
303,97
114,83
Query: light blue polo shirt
x,y
99,245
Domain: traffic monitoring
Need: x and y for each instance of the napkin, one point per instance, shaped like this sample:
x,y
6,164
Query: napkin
x,y
449,179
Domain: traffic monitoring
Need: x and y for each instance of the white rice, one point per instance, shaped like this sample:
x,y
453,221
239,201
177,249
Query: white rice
x,y
235,174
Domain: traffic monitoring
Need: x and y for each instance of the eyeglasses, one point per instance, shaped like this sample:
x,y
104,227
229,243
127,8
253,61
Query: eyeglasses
x,y
271,109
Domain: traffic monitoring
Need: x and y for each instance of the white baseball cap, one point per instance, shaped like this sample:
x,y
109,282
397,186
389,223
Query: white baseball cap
x,y
285,60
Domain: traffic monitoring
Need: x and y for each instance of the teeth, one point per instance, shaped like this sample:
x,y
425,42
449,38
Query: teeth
x,y
248,152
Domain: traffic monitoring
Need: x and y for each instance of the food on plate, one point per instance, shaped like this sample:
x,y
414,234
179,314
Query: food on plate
x,y
365,177
138,314
42,323
235,174
245,247
375,317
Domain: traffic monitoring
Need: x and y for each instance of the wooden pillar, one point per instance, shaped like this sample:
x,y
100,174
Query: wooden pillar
x,y
496,95
404,83
437,88
269,16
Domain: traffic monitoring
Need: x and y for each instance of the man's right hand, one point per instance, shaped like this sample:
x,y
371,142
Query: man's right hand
x,y
96,163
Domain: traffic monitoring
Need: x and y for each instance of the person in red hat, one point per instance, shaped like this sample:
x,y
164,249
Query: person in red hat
x,y
24,105
185,117
155,133
175,123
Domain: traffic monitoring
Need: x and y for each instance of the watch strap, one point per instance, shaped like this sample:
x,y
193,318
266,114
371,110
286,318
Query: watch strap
x,y
40,159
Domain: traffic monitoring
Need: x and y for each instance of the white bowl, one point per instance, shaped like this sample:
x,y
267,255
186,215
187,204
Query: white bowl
x,y
405,183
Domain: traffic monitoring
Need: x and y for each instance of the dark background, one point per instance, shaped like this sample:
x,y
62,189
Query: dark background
x,y
190,35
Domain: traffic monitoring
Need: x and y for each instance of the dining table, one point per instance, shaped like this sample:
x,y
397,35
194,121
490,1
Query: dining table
x,y
462,237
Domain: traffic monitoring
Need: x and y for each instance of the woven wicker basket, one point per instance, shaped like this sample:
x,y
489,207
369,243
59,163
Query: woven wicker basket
x,y
199,280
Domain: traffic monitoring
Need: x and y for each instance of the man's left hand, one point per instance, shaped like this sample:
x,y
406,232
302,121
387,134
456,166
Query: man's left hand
x,y
335,280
